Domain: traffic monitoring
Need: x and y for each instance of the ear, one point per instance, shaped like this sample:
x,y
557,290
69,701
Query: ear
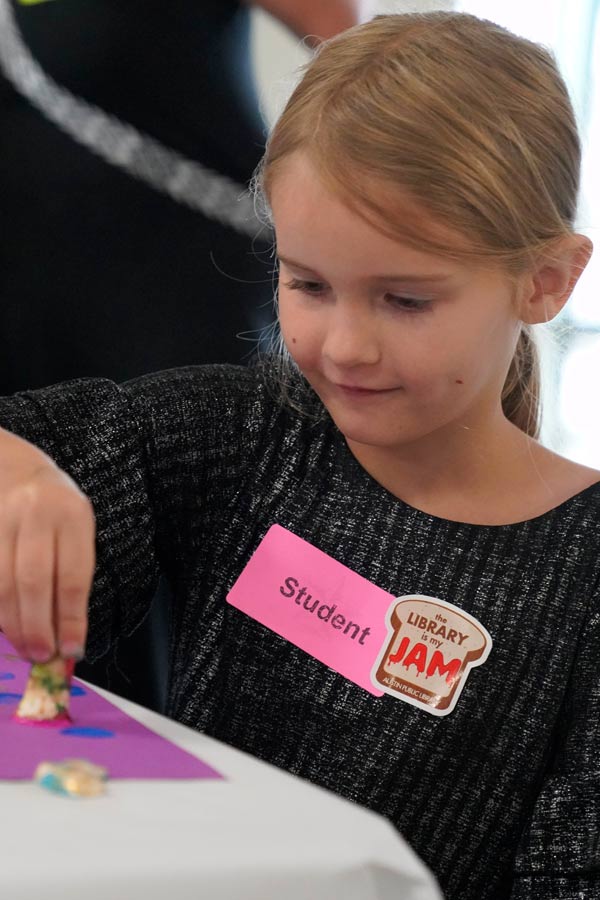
x,y
547,287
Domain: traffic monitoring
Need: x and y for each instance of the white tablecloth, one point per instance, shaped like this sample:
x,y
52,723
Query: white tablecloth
x,y
258,835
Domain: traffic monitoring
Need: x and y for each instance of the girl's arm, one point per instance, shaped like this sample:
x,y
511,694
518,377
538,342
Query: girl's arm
x,y
152,456
46,553
316,20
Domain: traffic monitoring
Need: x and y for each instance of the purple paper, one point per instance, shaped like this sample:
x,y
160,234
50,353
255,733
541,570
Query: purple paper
x,y
99,732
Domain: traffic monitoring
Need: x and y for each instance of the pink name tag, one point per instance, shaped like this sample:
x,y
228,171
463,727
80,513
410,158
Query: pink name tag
x,y
316,603
416,648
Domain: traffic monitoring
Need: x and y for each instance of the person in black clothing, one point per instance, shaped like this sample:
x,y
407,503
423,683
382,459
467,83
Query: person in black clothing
x,y
114,265
102,272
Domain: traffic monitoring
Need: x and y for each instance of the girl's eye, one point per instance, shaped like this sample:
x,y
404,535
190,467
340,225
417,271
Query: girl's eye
x,y
408,304
317,288
307,287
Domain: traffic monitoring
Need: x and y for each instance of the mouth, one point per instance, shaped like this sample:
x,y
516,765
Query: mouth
x,y
353,390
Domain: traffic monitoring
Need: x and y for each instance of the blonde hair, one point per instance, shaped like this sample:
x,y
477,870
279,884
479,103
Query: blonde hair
x,y
472,121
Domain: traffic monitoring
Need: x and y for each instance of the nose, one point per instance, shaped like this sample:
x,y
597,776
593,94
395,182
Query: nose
x,y
351,337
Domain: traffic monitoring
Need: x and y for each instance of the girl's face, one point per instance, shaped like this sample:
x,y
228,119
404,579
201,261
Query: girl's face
x,y
398,344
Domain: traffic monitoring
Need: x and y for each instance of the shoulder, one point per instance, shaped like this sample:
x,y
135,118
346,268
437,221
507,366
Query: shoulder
x,y
567,478
220,405
193,379
208,391
269,384
575,516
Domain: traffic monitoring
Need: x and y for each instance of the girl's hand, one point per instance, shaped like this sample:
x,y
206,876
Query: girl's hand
x,y
47,553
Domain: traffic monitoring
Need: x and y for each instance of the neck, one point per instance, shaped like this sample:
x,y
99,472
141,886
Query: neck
x,y
468,472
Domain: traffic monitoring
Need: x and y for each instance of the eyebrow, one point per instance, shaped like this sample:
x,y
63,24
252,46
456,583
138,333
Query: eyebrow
x,y
395,277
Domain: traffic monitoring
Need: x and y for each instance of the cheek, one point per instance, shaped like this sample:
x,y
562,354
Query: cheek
x,y
302,351
439,375
296,330
423,368
451,362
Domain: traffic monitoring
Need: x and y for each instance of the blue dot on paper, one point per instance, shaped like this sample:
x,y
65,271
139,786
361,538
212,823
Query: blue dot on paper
x,y
77,691
82,731
5,697
6,676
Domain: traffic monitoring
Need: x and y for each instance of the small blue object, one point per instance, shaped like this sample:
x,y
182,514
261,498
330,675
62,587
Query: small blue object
x,y
5,697
52,783
6,676
81,731
77,691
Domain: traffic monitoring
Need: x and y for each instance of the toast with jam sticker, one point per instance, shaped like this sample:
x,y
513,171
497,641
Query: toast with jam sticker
x,y
431,647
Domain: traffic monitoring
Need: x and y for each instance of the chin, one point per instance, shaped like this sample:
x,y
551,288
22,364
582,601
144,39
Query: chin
x,y
383,431
367,434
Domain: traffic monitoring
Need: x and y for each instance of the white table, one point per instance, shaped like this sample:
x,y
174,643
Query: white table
x,y
258,835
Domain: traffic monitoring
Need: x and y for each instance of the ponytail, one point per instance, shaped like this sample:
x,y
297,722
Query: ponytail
x,y
521,394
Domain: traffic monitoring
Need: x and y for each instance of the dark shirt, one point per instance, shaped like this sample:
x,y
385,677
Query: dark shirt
x,y
187,471
180,71
100,275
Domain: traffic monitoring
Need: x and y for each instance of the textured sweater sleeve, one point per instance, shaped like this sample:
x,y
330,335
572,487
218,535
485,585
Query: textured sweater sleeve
x,y
559,854
156,456
89,429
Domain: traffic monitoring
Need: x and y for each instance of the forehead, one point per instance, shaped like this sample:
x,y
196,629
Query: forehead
x,y
318,228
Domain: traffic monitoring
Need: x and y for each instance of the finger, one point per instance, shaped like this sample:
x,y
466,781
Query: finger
x,y
75,563
10,622
34,579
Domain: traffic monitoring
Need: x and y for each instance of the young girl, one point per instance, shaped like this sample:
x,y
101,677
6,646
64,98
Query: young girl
x,y
423,183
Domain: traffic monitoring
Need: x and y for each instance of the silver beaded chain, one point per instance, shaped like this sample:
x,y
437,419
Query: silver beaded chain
x,y
120,144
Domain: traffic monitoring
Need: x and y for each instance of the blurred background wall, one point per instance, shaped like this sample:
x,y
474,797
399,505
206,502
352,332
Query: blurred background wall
x,y
278,54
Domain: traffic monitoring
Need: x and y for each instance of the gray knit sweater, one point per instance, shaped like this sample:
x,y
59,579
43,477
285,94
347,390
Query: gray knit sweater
x,y
188,469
